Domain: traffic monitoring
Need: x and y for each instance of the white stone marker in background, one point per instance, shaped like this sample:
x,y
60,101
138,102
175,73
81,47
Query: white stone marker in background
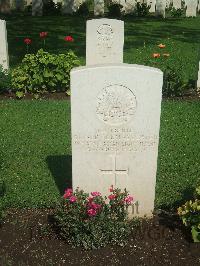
x,y
198,80
98,7
177,4
152,3
104,41
191,10
37,8
160,8
128,6
115,111
4,59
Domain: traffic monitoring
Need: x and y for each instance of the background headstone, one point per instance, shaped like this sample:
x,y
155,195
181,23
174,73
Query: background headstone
x,y
198,80
177,4
98,7
37,8
69,6
104,41
4,60
160,8
152,3
128,6
191,10
115,113
5,7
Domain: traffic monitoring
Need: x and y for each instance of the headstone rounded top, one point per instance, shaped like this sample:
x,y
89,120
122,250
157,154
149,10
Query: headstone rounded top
x,y
113,66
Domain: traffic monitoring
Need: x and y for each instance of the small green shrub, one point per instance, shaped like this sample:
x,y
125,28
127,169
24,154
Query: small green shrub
x,y
50,8
190,215
114,9
94,221
142,9
44,72
176,12
5,80
173,85
83,9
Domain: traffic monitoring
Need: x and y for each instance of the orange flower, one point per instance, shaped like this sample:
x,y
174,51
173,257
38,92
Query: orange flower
x,y
166,55
161,45
156,55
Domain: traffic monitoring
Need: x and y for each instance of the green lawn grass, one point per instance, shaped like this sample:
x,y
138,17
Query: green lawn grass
x,y
181,36
35,153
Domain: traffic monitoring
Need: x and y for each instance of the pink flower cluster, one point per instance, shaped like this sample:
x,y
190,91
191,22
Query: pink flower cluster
x,y
94,203
69,195
93,207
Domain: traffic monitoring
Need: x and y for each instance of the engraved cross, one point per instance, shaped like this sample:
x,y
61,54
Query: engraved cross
x,y
114,170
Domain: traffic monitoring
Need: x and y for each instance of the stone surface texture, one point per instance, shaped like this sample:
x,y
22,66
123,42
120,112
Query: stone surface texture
x,y
115,113
4,59
104,41
160,8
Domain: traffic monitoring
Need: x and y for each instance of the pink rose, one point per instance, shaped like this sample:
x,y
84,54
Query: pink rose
x,y
68,193
94,205
72,199
111,188
95,194
90,199
128,199
91,212
112,197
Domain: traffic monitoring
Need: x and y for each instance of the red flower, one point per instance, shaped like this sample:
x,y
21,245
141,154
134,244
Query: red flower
x,y
128,199
91,212
156,55
68,193
72,199
111,188
161,45
43,34
69,38
95,194
112,197
27,41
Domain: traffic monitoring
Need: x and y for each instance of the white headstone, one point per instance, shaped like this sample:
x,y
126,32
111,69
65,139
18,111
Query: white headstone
x,y
4,60
160,8
37,8
69,6
191,10
128,6
177,4
98,7
104,41
152,3
115,113
198,80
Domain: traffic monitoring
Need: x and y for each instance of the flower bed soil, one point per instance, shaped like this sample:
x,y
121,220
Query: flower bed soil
x,y
27,239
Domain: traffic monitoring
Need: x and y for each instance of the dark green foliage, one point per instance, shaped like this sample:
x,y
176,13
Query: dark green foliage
x,y
44,72
190,215
83,9
50,8
114,10
172,83
5,80
142,9
176,12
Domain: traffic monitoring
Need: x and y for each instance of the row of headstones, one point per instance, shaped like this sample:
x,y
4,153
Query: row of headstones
x,y
115,114
70,6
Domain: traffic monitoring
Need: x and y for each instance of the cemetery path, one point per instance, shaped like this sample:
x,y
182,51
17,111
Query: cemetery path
x,y
26,239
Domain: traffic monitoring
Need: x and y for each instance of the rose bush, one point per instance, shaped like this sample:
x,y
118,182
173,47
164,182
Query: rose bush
x,y
93,221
